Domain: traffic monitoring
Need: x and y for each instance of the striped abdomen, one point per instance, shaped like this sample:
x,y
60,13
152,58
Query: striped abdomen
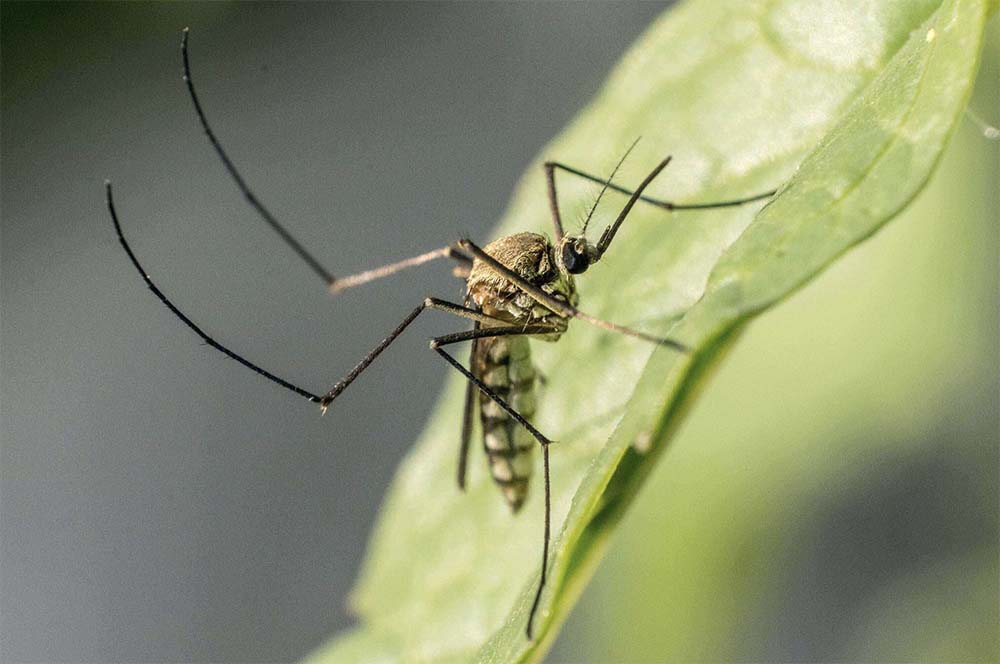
x,y
504,365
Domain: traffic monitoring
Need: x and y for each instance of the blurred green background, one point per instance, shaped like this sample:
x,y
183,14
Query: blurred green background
x,y
833,496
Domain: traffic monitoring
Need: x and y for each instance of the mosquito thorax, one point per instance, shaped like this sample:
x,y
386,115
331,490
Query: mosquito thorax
x,y
576,254
533,257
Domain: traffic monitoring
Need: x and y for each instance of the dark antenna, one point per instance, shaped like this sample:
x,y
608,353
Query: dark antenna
x,y
609,233
607,184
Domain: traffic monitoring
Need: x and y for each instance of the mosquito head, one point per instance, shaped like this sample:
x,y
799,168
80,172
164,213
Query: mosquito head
x,y
577,254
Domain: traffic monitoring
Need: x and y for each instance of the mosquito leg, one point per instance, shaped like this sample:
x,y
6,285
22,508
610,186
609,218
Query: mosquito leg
x,y
340,284
542,440
485,332
324,401
564,309
545,546
550,181
335,284
467,416
429,303
190,323
478,333
551,166
462,311
254,202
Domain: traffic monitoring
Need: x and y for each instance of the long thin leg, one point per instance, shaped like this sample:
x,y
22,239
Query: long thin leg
x,y
551,166
550,180
542,440
487,332
564,309
190,323
545,546
324,401
429,303
468,413
254,202
334,284
472,335
492,395
341,284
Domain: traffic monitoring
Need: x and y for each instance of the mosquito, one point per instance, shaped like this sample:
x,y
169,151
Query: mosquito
x,y
518,288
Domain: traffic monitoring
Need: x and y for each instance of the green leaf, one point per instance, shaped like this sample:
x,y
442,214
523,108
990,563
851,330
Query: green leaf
x,y
849,107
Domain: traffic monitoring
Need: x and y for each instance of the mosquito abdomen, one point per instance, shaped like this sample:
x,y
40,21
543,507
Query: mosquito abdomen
x,y
504,364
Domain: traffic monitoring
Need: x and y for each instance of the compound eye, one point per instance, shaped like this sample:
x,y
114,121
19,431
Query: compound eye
x,y
575,261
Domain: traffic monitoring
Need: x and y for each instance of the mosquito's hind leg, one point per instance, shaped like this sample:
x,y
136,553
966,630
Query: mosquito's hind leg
x,y
334,284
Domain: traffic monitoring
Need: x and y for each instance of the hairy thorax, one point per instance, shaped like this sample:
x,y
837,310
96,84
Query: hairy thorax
x,y
531,256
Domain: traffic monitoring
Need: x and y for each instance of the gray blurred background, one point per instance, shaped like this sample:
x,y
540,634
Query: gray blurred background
x,y
833,496
160,502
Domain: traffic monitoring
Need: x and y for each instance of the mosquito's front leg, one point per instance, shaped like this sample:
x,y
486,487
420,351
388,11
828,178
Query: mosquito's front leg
x,y
560,307
552,166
